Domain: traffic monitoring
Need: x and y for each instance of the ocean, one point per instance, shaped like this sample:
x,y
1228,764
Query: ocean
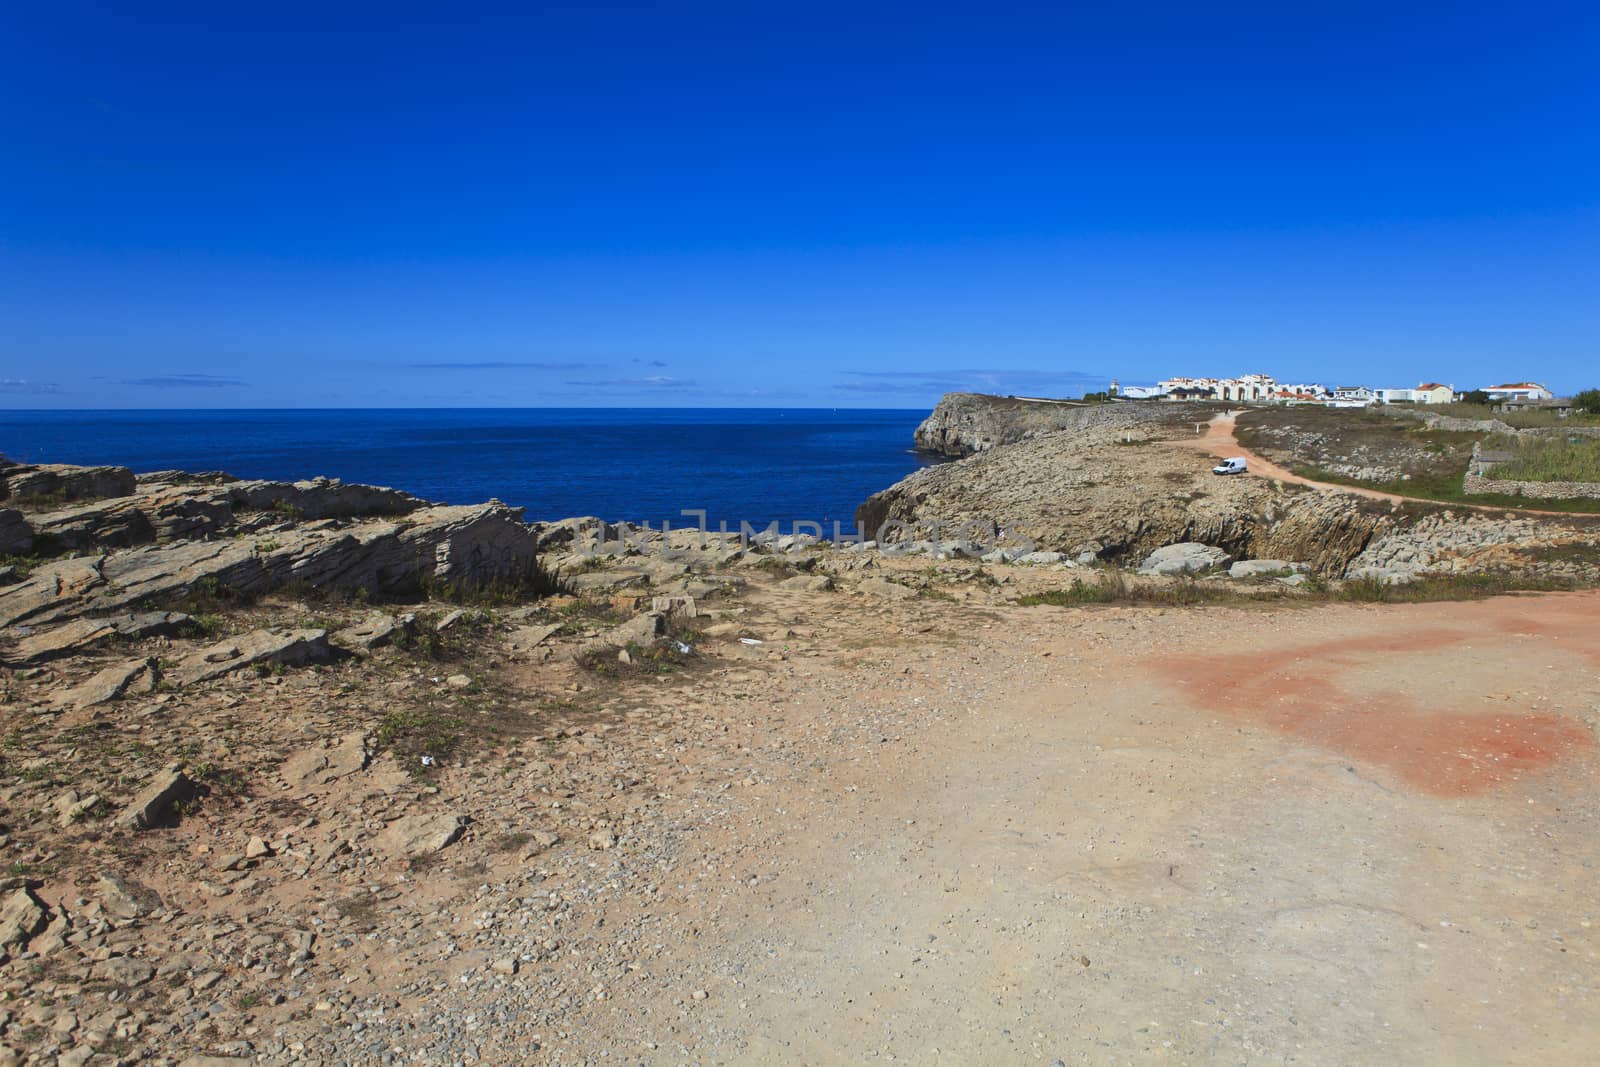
x,y
756,465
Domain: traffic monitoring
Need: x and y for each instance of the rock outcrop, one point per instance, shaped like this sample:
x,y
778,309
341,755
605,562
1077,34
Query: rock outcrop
x,y
262,647
21,483
964,423
1118,494
166,511
16,535
1184,558
1092,491
442,545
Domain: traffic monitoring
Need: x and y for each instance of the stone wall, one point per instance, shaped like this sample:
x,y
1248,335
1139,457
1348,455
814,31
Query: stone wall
x,y
1451,422
1477,483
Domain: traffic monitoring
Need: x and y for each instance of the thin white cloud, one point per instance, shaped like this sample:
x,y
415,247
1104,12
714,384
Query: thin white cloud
x,y
185,381
27,387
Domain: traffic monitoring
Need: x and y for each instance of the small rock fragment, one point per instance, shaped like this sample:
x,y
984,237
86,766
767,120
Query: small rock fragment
x,y
155,801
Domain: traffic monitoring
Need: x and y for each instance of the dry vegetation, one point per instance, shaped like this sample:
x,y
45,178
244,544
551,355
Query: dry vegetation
x,y
1550,459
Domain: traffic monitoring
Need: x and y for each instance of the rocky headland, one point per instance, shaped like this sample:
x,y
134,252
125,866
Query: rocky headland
x,y
1121,481
964,423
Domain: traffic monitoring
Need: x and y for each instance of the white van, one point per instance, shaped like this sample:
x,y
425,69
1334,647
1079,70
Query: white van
x,y
1230,466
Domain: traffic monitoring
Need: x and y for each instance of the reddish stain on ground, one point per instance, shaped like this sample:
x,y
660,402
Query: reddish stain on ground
x,y
1448,752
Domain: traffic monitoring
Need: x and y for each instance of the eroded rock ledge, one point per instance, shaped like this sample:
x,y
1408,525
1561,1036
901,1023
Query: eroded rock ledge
x,y
965,423
169,537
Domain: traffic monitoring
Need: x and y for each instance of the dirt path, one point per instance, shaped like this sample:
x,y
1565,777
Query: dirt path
x,y
1219,441
1082,836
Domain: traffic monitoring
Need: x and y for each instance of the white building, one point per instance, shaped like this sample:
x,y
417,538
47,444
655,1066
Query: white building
x,y
1424,393
1259,388
1354,396
1519,391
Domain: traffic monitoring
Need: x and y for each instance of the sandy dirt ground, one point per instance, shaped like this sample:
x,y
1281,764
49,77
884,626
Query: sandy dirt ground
x,y
1341,834
925,825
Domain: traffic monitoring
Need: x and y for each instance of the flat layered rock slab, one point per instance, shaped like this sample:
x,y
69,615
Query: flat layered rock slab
x,y
375,631
319,766
66,640
465,545
414,836
110,684
291,648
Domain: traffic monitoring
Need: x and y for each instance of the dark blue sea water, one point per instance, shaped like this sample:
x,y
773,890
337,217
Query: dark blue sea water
x,y
754,465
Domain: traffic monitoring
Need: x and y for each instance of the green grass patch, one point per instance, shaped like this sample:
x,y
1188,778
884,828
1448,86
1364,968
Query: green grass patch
x,y
1521,420
427,730
1552,459
1112,587
532,582
1447,489
1443,587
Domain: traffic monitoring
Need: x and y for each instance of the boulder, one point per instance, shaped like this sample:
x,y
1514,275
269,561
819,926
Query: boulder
x,y
376,631
123,971
880,587
155,801
292,648
413,836
121,898
1399,575
1189,557
1042,558
21,917
1259,568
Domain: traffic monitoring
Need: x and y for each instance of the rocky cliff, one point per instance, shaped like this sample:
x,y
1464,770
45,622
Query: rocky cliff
x,y
1121,490
964,423
168,537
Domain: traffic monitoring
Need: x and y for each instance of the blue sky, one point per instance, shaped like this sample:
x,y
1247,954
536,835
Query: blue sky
x,y
293,205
